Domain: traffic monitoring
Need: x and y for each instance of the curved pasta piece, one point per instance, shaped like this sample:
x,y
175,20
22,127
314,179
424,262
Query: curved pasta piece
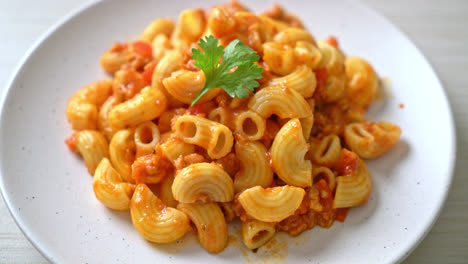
x,y
165,191
154,220
127,83
279,57
371,139
270,26
308,54
255,169
328,151
174,147
210,223
184,86
291,35
284,102
146,105
103,118
332,58
152,168
353,189
324,172
333,62
190,26
205,182
219,115
93,147
228,211
82,108
287,155
250,125
221,22
334,88
146,138
362,81
122,153
308,122
271,204
302,79
160,44
216,138
168,64
109,187
113,59
257,233
159,26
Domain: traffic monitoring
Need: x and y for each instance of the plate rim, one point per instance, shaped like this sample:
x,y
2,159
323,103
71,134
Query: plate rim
x,y
398,258
453,146
3,97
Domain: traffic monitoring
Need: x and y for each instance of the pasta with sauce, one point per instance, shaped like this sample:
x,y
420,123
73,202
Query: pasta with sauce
x,y
283,152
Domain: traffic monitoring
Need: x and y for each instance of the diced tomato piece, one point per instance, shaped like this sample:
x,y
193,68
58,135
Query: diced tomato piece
x,y
341,214
327,201
147,74
151,168
71,142
332,41
143,49
321,75
197,109
348,163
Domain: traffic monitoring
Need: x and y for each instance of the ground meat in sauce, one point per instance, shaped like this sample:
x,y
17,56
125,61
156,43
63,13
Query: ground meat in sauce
x,y
151,168
230,163
184,161
307,215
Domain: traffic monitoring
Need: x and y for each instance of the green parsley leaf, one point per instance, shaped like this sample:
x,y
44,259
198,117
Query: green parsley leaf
x,y
237,72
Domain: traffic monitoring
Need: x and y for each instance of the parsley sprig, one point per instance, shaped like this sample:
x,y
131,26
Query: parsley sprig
x,y
237,72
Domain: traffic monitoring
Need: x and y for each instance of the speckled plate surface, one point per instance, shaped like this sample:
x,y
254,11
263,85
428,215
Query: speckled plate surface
x,y
48,190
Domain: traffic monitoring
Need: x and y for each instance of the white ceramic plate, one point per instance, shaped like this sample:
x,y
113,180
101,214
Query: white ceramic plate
x,y
49,192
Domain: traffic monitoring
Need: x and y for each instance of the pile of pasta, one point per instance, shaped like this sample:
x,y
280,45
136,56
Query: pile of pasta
x,y
287,158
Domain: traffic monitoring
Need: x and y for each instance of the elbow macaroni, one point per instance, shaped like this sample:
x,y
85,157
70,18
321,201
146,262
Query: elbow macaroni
x,y
122,153
328,151
292,35
250,125
271,204
287,155
302,79
308,122
82,109
159,26
103,118
92,145
362,81
370,140
257,233
146,138
184,85
109,187
205,182
255,169
353,189
216,138
277,159
154,220
280,57
145,106
165,191
174,147
284,102
210,223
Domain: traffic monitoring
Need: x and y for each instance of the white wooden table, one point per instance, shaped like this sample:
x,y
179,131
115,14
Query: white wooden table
x,y
439,28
